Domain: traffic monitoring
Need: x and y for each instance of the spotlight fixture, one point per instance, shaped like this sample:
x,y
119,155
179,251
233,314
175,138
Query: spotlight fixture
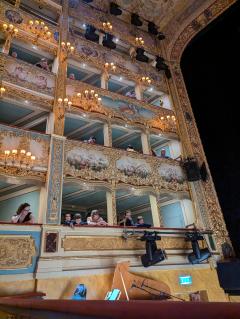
x,y
107,26
139,41
110,66
153,254
108,41
114,9
90,33
140,55
198,255
152,28
162,66
135,20
161,36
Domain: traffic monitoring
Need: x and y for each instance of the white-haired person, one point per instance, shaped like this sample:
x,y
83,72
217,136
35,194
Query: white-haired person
x,y
96,219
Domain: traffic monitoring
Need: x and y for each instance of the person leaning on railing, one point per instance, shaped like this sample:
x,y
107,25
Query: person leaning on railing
x,y
96,219
23,215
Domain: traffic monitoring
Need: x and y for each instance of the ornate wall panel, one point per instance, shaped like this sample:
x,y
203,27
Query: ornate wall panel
x,y
55,180
96,162
87,243
27,76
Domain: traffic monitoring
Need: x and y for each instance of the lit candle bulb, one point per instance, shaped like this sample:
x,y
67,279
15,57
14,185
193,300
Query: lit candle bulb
x,y
79,94
42,23
60,100
96,95
45,28
22,152
86,92
5,26
69,103
168,117
162,118
49,34
6,152
99,99
63,44
92,92
33,157
2,89
66,100
15,30
72,48
14,152
68,44
10,26
28,154
37,22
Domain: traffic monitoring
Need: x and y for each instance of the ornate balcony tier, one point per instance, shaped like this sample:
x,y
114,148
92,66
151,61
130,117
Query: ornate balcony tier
x,y
26,76
120,28
95,162
12,138
96,55
142,113
20,19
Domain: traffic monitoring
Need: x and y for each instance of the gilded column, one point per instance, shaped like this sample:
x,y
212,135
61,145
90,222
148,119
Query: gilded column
x,y
55,180
104,80
111,207
138,91
204,192
60,87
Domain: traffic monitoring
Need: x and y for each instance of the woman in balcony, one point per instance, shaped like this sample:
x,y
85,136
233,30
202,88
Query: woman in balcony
x,y
23,215
96,219
127,219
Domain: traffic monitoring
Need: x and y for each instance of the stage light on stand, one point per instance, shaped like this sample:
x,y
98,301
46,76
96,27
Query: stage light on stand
x,y
198,255
152,28
140,55
114,9
135,20
153,254
90,34
108,41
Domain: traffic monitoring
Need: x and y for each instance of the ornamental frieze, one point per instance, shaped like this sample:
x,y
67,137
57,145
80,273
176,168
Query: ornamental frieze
x,y
16,251
95,162
26,75
87,243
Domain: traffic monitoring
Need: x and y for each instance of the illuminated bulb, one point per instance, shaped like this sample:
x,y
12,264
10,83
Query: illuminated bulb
x,y
168,117
22,152
2,89
28,154
106,64
96,95
15,30
162,118
79,94
173,117
10,26
33,158
60,100
14,152
42,23
72,48
86,92
66,100
92,91
48,33
46,28
37,22
99,99
5,26
7,152
63,44
69,103
68,44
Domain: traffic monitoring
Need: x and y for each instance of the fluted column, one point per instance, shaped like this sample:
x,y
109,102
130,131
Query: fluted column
x,y
107,134
111,207
155,211
104,80
146,148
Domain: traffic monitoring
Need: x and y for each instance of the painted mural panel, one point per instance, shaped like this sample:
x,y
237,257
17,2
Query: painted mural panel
x,y
81,158
132,166
171,173
128,110
28,76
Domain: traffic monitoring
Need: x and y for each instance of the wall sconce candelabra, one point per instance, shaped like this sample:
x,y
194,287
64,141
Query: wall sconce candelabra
x,y
169,119
19,158
67,47
110,66
89,95
39,29
107,26
2,90
10,29
139,41
146,80
66,103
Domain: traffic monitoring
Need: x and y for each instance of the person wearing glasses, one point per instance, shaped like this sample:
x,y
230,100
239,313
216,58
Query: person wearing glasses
x,y
23,215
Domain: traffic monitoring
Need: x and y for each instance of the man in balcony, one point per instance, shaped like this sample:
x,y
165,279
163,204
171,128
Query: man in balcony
x,y
141,223
127,219
95,219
